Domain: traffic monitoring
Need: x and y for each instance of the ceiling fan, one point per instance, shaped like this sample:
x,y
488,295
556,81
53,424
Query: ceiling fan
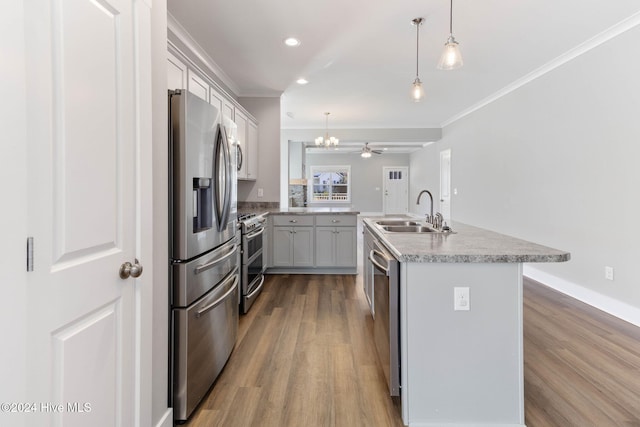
x,y
366,151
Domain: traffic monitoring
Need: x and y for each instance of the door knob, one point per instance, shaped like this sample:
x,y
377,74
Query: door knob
x,y
127,269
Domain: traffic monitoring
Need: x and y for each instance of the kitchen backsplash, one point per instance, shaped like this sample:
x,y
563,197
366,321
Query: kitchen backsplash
x,y
246,206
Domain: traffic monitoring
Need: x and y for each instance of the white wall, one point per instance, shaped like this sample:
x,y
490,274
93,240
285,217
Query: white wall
x,y
366,175
556,162
266,110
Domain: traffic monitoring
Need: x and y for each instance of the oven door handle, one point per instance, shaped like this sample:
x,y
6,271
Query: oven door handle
x,y
257,289
255,234
199,269
222,298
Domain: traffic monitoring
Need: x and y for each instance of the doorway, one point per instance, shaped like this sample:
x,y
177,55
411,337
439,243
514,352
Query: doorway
x,y
395,191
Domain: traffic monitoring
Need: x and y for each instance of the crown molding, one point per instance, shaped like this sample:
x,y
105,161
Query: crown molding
x,y
185,38
597,40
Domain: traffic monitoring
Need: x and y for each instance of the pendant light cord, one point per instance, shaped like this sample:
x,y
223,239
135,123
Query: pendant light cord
x,y
451,18
417,44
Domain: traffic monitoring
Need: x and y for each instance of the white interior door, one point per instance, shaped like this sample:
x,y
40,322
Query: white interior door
x,y
395,183
445,185
85,110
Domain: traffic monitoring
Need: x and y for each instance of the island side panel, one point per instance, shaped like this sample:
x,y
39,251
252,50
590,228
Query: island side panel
x,y
462,367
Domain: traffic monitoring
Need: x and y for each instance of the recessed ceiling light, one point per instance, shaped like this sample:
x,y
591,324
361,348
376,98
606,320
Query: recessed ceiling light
x,y
302,81
292,41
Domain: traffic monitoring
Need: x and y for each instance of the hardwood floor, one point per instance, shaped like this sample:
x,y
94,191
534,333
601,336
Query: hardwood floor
x,y
581,365
305,357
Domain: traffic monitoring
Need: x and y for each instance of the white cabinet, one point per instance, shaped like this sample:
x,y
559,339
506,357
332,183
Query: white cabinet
x,y
197,85
293,241
252,148
176,73
336,241
241,143
247,147
221,102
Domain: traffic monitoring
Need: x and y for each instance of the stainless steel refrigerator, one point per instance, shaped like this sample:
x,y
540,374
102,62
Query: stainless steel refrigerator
x,y
204,264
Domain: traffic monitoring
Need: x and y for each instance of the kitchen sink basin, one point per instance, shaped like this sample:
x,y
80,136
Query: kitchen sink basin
x,y
408,229
398,222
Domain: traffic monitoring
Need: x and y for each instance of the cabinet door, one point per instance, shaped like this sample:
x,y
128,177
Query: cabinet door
x,y
176,73
243,156
302,246
252,147
198,86
345,241
325,247
216,99
282,254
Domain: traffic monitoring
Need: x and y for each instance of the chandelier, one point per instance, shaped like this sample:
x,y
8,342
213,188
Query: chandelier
x,y
326,141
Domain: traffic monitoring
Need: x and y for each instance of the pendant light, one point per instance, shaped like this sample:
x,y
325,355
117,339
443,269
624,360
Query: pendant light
x,y
327,141
451,57
417,91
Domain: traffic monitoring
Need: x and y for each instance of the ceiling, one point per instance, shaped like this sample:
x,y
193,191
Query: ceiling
x,y
359,56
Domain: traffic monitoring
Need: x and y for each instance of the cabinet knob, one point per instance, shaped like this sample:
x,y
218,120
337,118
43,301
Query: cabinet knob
x,y
335,221
293,220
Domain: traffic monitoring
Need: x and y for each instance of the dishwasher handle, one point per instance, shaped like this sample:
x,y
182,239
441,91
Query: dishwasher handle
x,y
372,258
209,307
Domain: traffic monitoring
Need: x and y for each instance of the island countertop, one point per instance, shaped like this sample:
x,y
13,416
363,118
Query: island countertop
x,y
467,245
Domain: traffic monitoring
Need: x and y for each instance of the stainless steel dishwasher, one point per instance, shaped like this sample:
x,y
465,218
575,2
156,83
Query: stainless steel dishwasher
x,y
386,320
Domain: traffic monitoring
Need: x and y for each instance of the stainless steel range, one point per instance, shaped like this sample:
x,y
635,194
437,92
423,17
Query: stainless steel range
x,y
252,263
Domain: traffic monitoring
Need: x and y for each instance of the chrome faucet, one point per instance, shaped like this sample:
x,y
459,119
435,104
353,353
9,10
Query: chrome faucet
x,y
430,216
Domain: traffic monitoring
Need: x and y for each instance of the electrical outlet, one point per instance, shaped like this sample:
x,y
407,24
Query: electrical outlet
x,y
608,273
260,192
461,299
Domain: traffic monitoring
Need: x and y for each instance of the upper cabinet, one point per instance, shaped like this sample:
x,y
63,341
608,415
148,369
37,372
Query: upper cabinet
x,y
252,148
176,73
198,86
182,76
241,144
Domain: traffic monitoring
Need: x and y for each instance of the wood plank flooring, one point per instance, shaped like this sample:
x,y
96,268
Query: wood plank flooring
x,y
581,365
305,357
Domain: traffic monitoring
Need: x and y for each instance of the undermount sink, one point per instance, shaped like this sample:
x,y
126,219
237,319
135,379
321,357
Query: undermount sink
x,y
398,222
408,229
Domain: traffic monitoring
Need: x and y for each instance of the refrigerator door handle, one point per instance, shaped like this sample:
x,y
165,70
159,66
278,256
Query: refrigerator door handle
x,y
223,169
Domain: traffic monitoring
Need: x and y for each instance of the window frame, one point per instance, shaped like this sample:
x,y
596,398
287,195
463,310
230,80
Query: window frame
x,y
314,169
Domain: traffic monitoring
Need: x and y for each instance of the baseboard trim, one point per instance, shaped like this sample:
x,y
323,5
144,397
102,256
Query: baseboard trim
x,y
616,308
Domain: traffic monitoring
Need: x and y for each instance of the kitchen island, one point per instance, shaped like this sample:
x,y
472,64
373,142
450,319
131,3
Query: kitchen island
x,y
461,367
313,240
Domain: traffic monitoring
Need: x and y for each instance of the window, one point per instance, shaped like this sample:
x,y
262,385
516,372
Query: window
x,y
330,184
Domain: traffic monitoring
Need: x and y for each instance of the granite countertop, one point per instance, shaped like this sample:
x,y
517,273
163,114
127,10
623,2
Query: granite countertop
x,y
467,244
313,211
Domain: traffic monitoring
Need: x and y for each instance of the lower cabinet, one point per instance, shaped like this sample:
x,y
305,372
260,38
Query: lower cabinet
x,y
335,246
306,243
293,246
